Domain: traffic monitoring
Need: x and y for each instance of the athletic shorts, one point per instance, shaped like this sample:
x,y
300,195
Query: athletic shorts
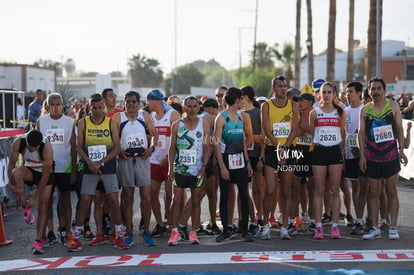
x,y
236,175
304,166
352,170
210,167
134,172
158,173
377,170
62,182
90,181
270,157
327,155
37,176
186,181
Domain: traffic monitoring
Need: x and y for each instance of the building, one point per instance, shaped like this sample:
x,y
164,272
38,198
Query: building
x,y
27,78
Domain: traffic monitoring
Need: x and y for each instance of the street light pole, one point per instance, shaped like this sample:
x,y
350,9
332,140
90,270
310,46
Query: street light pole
x,y
255,36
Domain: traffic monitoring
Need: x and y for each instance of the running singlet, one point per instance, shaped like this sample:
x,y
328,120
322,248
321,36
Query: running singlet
x,y
280,121
232,143
351,131
189,149
163,127
381,134
33,160
98,143
327,128
59,132
132,132
254,149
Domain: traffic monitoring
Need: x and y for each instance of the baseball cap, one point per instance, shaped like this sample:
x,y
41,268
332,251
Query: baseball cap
x,y
306,96
157,95
293,91
210,102
261,98
317,83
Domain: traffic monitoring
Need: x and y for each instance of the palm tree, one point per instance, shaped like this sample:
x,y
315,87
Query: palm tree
x,y
372,39
330,62
350,56
297,45
263,55
309,42
286,58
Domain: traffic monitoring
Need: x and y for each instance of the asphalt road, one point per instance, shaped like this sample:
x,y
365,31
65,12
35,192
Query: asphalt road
x,y
23,237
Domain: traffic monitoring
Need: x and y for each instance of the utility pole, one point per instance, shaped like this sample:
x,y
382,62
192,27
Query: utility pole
x,y
255,36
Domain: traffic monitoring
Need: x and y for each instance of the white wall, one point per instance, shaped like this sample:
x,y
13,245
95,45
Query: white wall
x,y
38,78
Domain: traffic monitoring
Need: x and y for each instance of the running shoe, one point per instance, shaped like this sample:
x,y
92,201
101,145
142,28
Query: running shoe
x,y
247,237
158,231
51,238
305,217
215,229
312,228
141,226
174,238
112,238
87,234
45,242
373,233
384,227
28,218
193,237
326,218
357,229
254,230
37,248
231,233
335,233
202,232
63,237
291,229
319,233
99,239
393,233
273,222
349,220
74,244
183,232
129,240
341,215
148,241
284,234
120,244
266,232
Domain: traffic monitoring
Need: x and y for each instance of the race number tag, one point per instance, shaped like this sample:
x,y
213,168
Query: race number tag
x,y
352,140
383,133
162,142
187,157
97,152
136,140
304,139
329,136
236,161
281,129
55,136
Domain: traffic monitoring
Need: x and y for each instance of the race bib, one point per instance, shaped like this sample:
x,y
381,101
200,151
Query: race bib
x,y
236,161
281,129
187,157
304,139
329,136
162,142
97,152
136,140
383,134
352,140
55,136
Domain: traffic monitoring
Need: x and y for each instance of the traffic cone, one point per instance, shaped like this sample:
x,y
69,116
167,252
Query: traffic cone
x,y
3,240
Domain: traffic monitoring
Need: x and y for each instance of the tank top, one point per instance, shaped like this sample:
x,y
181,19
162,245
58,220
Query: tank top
x,y
232,141
280,121
189,149
33,160
133,133
58,132
254,149
163,127
327,128
381,133
304,142
351,132
98,143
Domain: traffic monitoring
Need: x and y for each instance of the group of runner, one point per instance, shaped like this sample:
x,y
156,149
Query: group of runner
x,y
294,150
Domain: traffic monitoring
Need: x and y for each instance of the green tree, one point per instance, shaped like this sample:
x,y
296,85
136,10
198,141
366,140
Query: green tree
x,y
186,76
51,64
259,80
214,74
144,72
286,58
264,56
88,74
116,74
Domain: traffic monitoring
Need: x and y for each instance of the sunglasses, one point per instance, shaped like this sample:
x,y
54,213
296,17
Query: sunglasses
x,y
131,101
219,95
